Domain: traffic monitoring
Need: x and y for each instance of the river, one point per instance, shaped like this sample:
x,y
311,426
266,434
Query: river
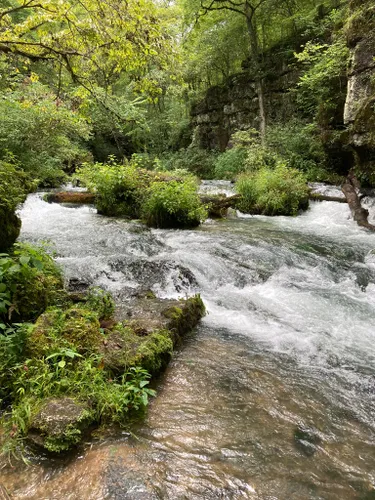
x,y
271,397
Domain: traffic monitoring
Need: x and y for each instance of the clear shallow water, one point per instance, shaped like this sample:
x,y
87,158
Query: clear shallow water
x,y
288,341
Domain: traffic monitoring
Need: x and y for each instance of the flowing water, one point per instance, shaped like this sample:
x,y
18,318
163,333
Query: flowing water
x,y
272,397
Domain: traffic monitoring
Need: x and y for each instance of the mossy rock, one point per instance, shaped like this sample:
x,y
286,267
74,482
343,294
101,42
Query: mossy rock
x,y
123,349
60,424
77,327
148,338
35,294
10,227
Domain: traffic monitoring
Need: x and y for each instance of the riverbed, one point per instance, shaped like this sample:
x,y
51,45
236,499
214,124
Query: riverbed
x,y
271,397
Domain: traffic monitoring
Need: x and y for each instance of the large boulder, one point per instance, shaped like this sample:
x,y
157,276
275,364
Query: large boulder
x,y
60,424
10,227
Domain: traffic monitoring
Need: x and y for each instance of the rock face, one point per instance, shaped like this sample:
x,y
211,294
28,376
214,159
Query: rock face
x,y
234,105
60,424
359,112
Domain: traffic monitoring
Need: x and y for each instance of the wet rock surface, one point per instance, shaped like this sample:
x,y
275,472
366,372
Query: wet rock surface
x,y
59,424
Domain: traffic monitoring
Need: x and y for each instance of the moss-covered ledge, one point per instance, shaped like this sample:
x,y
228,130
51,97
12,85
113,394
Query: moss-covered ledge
x,y
148,331
83,366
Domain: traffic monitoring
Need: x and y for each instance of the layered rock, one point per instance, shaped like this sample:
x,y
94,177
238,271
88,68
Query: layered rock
x,y
234,105
359,112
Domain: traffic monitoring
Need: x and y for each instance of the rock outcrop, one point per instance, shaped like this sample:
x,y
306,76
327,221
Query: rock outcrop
x,y
359,112
234,105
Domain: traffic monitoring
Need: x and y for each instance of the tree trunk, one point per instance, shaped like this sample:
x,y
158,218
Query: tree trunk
x,y
360,214
262,112
255,54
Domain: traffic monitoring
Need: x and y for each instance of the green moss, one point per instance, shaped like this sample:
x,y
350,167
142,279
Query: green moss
x,y
71,436
81,328
184,318
154,353
101,302
10,226
77,328
60,423
125,349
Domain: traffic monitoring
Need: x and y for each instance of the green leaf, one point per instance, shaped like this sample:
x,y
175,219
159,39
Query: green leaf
x,y
61,363
24,259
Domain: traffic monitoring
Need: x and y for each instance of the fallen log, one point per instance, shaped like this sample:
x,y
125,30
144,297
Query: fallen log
x,y
69,197
218,205
360,215
323,197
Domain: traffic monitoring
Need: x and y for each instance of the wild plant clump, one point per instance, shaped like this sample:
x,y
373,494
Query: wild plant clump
x,y
164,200
282,191
30,282
173,205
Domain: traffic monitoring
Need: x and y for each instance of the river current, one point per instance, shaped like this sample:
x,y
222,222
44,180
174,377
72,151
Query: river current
x,y
272,396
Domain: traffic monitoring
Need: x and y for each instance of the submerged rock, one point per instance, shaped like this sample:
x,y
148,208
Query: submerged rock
x,y
60,424
307,439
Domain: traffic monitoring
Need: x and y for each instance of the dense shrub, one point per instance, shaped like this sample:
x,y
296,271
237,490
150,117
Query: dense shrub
x,y
29,282
282,191
297,143
14,185
44,136
230,163
173,204
199,162
161,199
120,188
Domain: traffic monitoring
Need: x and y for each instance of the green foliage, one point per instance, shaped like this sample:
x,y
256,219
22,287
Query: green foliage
x,y
84,379
29,282
77,328
173,205
101,302
160,199
194,160
230,163
120,189
14,184
282,191
321,89
45,136
12,343
297,143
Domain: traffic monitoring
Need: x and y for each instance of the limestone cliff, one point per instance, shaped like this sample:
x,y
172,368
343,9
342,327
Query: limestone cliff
x,y
359,112
234,106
